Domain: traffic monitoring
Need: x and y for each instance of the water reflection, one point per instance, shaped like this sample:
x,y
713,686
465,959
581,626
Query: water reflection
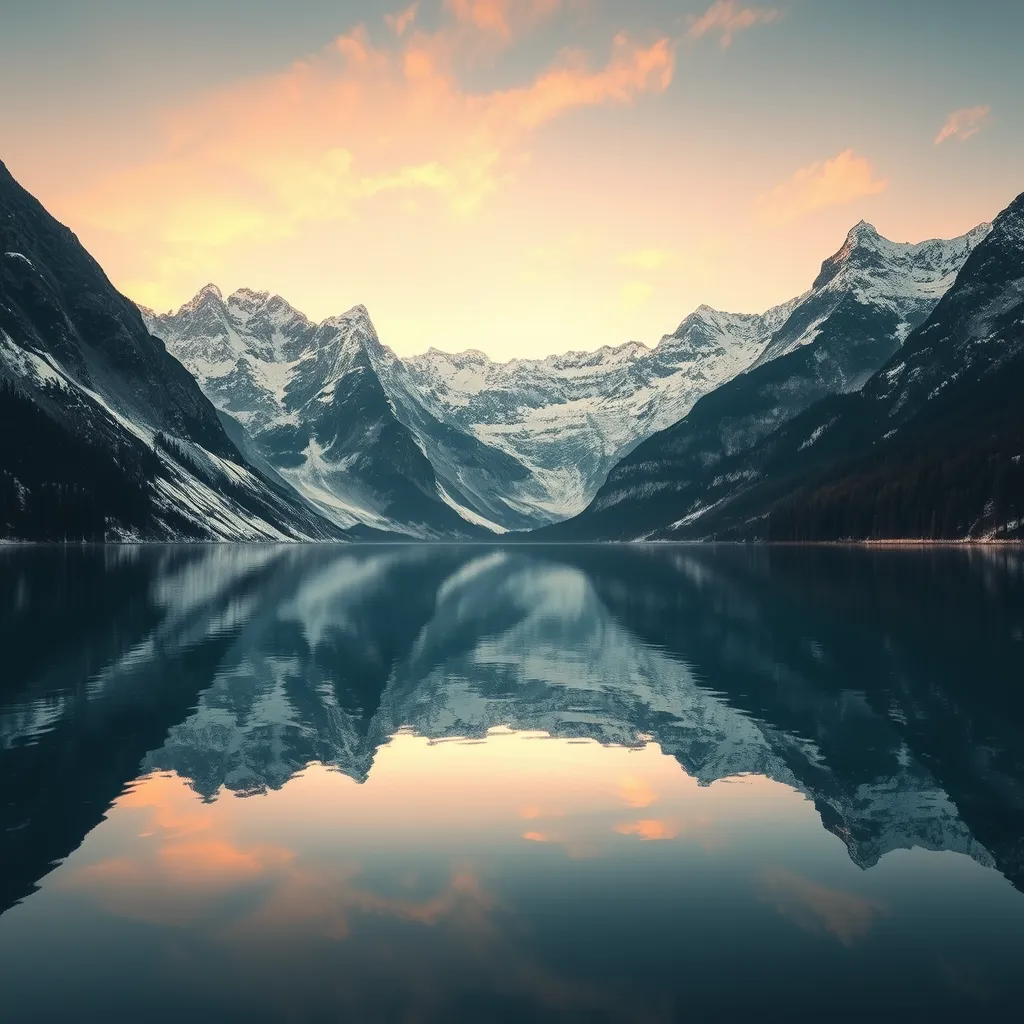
x,y
426,783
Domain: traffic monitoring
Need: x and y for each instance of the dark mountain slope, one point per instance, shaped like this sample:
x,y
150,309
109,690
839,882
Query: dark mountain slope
x,y
105,434
864,302
932,446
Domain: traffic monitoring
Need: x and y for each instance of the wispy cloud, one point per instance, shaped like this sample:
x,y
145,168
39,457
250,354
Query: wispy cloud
x,y
501,18
964,123
819,909
401,20
726,18
843,179
354,121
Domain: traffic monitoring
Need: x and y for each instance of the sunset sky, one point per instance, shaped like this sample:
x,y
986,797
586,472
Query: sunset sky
x,y
518,176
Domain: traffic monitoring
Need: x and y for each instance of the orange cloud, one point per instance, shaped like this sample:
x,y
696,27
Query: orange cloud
x,y
501,17
649,829
818,908
726,18
962,124
218,860
326,902
401,20
632,71
843,179
316,142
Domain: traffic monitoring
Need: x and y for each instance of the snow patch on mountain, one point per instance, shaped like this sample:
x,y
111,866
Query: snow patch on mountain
x,y
468,514
19,256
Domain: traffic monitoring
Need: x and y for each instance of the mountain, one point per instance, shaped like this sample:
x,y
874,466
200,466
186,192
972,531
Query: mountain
x,y
570,418
103,434
508,446
325,405
931,447
529,443
861,309
512,446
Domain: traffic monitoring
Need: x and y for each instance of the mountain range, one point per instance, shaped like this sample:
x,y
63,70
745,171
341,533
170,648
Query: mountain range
x,y
877,404
520,445
928,446
508,446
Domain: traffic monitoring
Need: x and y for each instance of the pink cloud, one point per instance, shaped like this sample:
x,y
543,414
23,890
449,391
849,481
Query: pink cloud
x,y
843,179
501,18
313,142
962,124
727,18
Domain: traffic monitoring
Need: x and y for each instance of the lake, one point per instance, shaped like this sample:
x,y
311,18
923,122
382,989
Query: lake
x,y
442,783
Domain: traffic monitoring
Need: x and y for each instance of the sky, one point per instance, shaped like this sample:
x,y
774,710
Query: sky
x,y
522,177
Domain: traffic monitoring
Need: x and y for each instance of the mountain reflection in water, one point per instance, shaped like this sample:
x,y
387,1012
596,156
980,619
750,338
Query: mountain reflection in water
x,y
409,782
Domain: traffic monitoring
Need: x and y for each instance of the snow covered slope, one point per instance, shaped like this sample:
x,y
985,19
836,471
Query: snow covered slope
x,y
103,435
860,310
490,446
930,447
326,406
902,280
510,446
570,418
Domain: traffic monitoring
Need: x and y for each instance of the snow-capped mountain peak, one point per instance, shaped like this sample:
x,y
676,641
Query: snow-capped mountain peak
x,y
901,280
208,294
555,426
868,259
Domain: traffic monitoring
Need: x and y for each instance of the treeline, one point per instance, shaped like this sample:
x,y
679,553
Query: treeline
x,y
953,474
55,486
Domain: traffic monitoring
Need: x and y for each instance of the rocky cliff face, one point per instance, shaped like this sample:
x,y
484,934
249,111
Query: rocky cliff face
x,y
865,303
105,435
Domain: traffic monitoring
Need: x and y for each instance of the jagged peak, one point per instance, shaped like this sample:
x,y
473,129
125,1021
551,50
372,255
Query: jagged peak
x,y
862,232
358,315
701,318
248,295
210,290
469,355
208,293
353,330
866,252
863,238
705,310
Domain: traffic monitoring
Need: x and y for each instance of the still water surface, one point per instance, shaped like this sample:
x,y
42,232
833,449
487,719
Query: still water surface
x,y
466,784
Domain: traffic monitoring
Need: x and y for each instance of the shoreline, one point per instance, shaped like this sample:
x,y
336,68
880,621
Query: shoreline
x,y
7,544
